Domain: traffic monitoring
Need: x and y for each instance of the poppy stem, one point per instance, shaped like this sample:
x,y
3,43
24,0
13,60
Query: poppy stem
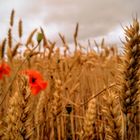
x,y
112,85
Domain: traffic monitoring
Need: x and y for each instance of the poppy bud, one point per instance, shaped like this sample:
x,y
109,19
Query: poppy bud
x,y
39,37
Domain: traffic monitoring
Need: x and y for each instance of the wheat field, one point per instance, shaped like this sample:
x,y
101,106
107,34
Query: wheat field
x,y
48,92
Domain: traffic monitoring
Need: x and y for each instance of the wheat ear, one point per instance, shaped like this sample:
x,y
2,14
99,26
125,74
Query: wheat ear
x,y
130,82
112,116
89,123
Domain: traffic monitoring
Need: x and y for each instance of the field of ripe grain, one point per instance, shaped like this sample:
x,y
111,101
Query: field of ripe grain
x,y
48,92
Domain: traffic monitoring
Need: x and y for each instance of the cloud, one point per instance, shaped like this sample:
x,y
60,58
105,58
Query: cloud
x,y
96,18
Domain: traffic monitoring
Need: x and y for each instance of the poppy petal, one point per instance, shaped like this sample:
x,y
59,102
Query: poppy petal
x,y
33,73
36,82
42,84
35,90
4,70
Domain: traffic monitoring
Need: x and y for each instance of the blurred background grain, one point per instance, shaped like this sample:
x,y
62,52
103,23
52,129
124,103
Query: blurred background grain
x,y
97,18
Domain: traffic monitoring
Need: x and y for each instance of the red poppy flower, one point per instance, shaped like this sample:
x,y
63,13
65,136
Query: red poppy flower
x,y
36,81
4,69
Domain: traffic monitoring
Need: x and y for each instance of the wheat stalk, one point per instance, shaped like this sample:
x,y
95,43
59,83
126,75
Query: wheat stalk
x,y
12,18
13,124
20,28
2,49
89,123
130,82
112,116
29,39
27,109
10,38
40,116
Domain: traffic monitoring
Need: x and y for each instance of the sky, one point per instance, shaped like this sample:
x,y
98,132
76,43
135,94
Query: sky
x,y
96,18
